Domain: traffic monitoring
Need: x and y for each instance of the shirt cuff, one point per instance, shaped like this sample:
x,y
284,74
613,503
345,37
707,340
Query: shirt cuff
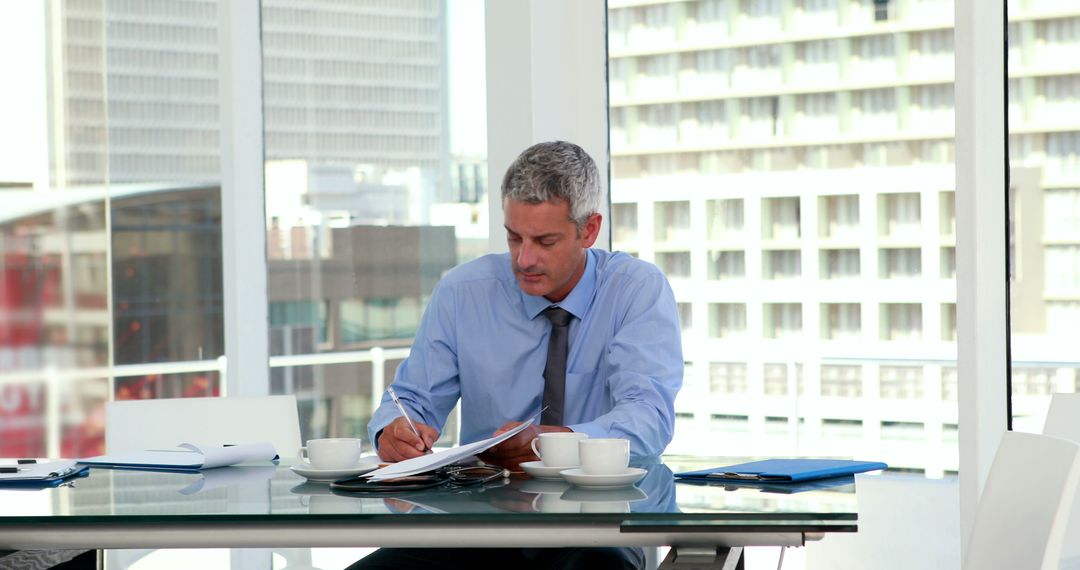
x,y
375,429
592,429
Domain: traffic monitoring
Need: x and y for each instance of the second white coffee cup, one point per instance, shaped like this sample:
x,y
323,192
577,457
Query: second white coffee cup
x,y
332,453
558,449
604,456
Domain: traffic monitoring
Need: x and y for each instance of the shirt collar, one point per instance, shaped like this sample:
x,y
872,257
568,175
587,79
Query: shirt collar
x,y
576,302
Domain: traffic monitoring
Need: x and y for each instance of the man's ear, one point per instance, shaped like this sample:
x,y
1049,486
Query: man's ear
x,y
591,231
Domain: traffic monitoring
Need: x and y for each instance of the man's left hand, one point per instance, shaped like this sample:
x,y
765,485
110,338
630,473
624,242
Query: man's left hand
x,y
517,449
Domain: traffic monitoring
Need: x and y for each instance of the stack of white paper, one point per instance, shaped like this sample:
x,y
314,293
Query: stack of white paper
x,y
438,459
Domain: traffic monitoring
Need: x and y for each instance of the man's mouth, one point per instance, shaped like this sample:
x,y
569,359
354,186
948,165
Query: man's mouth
x,y
530,277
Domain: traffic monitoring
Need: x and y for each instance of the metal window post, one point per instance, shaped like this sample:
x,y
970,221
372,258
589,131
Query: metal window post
x,y
980,244
242,201
546,80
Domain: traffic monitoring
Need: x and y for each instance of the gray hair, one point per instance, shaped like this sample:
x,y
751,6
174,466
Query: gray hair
x,y
554,171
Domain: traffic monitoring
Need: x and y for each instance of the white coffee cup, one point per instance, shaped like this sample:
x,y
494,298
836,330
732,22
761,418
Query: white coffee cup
x,y
604,456
331,453
558,448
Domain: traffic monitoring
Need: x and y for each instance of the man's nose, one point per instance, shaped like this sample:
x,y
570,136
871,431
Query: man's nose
x,y
526,256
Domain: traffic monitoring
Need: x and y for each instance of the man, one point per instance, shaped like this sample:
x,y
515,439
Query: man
x,y
484,337
606,361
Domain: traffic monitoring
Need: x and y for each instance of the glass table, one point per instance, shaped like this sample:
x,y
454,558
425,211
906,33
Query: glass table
x,y
270,506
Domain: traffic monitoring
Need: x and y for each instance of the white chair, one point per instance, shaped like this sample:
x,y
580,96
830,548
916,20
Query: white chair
x,y
1025,506
134,425
1063,417
1063,420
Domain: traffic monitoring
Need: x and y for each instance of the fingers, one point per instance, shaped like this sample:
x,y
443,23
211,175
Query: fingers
x,y
391,448
429,434
398,442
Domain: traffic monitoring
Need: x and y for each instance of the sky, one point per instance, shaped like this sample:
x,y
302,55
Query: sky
x,y
23,145
468,90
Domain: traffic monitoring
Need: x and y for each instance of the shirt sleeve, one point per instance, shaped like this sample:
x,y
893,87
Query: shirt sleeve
x,y
645,361
426,382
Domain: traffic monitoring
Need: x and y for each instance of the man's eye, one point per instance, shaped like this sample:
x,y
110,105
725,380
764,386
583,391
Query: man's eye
x,y
513,238
547,243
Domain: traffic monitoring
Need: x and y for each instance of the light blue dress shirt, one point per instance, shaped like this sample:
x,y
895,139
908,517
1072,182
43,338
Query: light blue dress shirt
x,y
483,340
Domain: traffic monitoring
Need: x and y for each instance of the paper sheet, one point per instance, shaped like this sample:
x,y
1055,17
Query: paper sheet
x,y
187,457
438,459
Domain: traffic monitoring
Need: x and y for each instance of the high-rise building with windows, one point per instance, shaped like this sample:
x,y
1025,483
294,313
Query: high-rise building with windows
x,y
134,88
789,165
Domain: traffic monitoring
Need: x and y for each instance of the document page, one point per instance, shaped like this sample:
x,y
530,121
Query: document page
x,y
187,457
438,459
222,455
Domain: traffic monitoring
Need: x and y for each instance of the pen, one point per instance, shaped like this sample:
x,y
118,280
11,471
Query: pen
x,y
65,472
408,420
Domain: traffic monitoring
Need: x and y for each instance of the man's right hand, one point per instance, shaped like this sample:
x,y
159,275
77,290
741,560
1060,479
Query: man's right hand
x,y
397,442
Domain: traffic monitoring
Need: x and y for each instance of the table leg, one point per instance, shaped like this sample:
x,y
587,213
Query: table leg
x,y
703,558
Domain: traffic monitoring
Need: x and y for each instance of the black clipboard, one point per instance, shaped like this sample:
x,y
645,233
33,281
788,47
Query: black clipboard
x,y
401,484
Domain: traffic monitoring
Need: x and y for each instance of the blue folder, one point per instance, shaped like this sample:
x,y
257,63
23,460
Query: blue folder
x,y
841,484
783,470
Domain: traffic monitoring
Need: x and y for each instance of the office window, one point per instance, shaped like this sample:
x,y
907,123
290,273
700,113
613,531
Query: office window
x,y
841,321
780,218
376,185
727,378
901,382
841,381
839,217
726,219
727,320
624,219
901,321
825,167
1044,208
727,265
110,235
782,264
783,320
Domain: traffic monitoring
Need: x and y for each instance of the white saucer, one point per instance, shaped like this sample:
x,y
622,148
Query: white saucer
x,y
365,465
537,470
582,479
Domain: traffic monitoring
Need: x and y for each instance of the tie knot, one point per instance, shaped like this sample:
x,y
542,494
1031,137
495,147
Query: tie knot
x,y
558,316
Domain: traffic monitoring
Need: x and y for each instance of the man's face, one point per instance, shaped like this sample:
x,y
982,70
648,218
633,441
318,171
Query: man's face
x,y
547,252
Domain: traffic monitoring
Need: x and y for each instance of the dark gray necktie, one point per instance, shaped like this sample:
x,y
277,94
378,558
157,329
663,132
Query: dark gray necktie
x,y
555,371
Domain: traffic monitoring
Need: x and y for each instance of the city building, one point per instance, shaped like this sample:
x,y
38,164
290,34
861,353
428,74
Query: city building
x,y
789,165
134,88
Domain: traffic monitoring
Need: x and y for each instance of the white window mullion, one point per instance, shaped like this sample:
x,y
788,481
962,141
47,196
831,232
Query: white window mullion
x,y
546,80
980,243
243,224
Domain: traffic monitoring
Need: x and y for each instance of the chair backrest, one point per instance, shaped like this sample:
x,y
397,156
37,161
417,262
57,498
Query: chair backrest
x,y
134,425
1063,417
1063,420
1023,510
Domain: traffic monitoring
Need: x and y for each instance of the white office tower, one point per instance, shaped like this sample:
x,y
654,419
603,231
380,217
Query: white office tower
x,y
789,165
134,87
